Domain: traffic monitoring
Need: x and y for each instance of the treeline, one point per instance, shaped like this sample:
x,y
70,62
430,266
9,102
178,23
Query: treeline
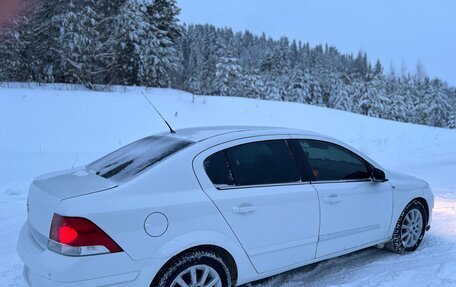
x,y
134,42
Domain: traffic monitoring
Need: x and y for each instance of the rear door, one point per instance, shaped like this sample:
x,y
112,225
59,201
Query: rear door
x,y
355,211
256,185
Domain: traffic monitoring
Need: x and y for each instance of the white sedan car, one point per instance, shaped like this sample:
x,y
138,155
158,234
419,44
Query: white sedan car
x,y
216,206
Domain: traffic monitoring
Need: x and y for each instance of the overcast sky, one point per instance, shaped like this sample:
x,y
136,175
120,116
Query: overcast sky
x,y
393,31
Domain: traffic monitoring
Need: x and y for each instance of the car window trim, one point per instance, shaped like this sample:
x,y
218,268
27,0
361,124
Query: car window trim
x,y
342,181
230,187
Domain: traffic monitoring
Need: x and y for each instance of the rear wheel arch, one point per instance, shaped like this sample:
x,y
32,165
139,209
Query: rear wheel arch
x,y
227,258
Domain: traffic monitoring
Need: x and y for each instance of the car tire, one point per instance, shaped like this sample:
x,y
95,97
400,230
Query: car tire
x,y
409,230
198,266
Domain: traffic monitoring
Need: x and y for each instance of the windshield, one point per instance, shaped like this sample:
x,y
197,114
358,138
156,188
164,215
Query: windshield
x,y
130,160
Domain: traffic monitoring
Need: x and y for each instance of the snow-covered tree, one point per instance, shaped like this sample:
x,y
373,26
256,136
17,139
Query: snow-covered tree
x,y
228,76
396,105
298,88
134,44
272,90
14,52
161,56
252,85
452,119
316,95
438,106
340,95
370,96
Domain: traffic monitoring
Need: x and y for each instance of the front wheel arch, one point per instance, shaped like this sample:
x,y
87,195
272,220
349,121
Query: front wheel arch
x,y
396,242
426,207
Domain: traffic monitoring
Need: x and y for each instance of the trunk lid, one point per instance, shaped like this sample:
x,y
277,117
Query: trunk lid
x,y
47,191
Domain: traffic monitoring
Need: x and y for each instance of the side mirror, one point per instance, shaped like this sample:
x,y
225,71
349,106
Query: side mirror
x,y
378,175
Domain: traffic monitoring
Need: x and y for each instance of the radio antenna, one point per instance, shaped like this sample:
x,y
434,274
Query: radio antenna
x,y
170,128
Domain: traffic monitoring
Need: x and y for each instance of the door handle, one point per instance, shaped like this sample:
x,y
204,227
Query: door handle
x,y
245,209
333,199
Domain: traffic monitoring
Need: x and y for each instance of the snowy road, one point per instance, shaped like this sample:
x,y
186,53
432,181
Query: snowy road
x,y
45,129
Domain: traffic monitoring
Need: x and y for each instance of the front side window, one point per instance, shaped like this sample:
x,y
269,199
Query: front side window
x,y
263,162
133,159
332,162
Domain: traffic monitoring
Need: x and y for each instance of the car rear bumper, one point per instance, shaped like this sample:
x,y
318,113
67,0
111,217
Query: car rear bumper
x,y
127,280
47,268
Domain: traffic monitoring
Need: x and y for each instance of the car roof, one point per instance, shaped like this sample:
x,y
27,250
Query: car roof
x,y
198,134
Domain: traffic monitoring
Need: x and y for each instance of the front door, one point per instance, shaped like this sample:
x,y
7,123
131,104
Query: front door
x,y
353,214
355,211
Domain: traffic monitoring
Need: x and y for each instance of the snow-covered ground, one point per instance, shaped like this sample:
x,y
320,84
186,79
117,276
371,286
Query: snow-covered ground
x,y
46,128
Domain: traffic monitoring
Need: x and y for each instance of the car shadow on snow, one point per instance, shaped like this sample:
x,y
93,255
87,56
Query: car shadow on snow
x,y
323,272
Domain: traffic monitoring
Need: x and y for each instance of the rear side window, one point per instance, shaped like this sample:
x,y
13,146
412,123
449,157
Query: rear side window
x,y
332,162
130,160
218,169
264,162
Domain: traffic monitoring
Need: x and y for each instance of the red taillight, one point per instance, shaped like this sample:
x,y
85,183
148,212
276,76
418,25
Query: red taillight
x,y
67,234
80,232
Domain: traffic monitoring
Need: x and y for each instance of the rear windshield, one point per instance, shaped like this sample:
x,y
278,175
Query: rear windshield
x,y
130,160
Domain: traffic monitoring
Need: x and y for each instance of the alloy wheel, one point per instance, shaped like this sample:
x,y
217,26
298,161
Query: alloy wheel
x,y
412,227
198,276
